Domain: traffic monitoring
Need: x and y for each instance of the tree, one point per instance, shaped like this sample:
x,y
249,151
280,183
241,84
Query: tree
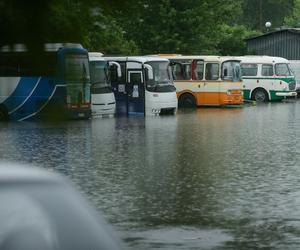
x,y
294,19
176,26
231,40
37,22
257,12
106,36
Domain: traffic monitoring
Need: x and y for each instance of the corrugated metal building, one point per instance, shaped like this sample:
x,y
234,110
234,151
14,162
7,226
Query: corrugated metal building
x,y
284,42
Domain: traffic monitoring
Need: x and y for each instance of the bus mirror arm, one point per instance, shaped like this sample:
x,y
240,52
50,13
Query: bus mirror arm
x,y
150,71
119,72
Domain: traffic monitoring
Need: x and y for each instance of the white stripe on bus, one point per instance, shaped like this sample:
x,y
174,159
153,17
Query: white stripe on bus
x,y
26,117
14,110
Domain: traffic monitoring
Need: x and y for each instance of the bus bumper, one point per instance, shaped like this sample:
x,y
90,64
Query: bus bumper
x,y
161,103
162,108
233,97
286,94
79,114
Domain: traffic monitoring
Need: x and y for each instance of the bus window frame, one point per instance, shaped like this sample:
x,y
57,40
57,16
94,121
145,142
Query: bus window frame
x,y
267,64
206,73
287,66
234,77
174,76
194,67
257,66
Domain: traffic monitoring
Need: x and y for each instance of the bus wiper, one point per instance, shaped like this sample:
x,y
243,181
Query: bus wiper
x,y
163,83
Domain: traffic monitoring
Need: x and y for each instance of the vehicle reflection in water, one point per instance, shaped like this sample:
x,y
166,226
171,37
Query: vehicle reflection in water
x,y
204,179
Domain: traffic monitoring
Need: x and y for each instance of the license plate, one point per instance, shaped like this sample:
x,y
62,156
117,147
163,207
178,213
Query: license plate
x,y
81,115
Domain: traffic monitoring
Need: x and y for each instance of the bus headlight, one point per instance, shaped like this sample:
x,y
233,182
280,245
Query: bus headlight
x,y
234,92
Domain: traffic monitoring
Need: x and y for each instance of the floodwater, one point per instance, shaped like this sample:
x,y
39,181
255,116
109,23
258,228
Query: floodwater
x,y
210,178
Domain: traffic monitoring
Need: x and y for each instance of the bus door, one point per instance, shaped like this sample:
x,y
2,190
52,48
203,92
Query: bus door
x,y
118,85
211,86
199,85
135,93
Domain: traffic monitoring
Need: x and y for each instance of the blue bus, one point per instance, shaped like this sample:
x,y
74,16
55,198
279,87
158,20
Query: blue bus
x,y
53,84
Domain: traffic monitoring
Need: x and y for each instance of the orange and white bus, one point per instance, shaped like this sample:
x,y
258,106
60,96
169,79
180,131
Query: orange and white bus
x,y
206,80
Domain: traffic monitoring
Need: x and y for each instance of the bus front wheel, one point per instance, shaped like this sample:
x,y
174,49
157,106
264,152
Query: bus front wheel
x,y
260,95
187,101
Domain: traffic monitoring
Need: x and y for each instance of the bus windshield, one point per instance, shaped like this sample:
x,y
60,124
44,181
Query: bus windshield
x,y
162,81
77,77
99,77
231,70
282,69
77,68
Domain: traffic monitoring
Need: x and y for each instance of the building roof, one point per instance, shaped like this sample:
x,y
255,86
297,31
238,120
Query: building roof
x,y
278,30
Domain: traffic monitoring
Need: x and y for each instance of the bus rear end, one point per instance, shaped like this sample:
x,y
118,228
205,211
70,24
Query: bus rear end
x,y
77,81
231,89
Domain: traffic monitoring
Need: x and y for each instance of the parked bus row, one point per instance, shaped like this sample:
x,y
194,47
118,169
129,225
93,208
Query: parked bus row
x,y
66,81
62,82
217,81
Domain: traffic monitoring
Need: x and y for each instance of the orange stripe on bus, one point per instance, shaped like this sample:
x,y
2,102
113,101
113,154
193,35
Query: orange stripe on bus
x,y
215,98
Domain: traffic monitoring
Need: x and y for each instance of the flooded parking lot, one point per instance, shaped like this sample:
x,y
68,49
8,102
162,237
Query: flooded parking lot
x,y
204,179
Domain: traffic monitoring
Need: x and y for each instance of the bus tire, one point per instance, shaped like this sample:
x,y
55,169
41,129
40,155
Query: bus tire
x,y
187,101
260,95
3,114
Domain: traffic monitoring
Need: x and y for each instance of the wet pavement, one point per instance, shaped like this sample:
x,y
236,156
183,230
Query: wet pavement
x,y
210,178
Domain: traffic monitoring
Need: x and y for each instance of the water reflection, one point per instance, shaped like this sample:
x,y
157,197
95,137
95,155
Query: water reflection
x,y
207,178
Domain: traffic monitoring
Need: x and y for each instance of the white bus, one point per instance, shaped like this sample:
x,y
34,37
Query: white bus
x,y
267,78
145,87
102,97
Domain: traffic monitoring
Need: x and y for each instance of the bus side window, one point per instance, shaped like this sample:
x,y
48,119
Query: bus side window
x,y
212,71
198,70
177,71
249,69
267,70
187,71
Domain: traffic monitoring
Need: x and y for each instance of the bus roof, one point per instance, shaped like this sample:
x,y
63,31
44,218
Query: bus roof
x,y
209,58
20,47
141,59
262,59
96,56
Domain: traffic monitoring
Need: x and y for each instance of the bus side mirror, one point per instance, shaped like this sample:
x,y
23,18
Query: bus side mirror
x,y
119,72
150,71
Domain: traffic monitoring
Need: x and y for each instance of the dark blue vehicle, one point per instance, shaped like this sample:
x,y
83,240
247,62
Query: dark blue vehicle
x,y
52,84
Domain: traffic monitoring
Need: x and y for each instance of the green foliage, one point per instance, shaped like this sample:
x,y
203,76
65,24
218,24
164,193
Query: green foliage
x,y
231,40
106,36
294,19
144,26
170,26
257,12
